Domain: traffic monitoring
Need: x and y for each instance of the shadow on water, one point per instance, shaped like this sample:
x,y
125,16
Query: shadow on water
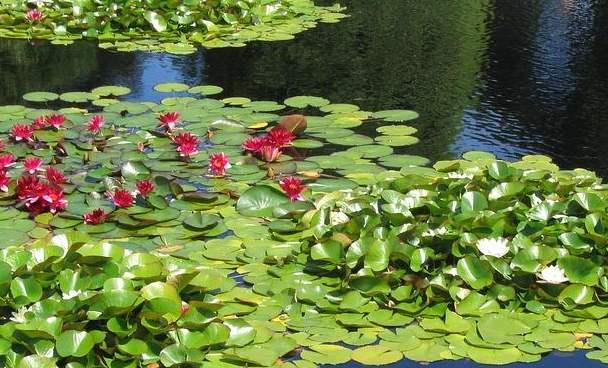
x,y
553,360
512,77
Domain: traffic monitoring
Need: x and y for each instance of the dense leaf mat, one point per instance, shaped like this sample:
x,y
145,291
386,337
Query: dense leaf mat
x,y
167,26
474,258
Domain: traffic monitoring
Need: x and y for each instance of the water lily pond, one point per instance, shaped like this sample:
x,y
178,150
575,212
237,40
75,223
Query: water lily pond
x,y
296,184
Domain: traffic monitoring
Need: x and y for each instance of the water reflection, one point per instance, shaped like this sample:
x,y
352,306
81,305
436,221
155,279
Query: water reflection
x,y
403,54
82,66
545,88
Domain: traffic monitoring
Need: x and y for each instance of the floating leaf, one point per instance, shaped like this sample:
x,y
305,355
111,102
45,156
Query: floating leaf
x,y
376,355
303,101
74,343
260,200
475,272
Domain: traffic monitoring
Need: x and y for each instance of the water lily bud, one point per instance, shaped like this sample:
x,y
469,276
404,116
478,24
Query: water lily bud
x,y
185,308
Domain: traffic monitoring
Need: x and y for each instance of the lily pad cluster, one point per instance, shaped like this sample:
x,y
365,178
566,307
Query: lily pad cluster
x,y
174,27
142,170
179,243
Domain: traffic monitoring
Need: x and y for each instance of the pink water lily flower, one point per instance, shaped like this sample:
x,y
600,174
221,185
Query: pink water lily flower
x,y
168,120
54,198
39,196
4,181
6,160
270,152
95,124
95,217
144,187
218,164
55,176
280,137
121,198
22,132
56,120
293,187
254,144
39,122
34,16
187,144
32,165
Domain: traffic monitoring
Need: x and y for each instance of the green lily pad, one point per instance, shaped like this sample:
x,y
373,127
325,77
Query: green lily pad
x,y
396,130
171,87
260,201
376,355
40,96
396,141
303,101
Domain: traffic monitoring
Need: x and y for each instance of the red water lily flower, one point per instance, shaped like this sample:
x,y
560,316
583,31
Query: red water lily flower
x,y
121,198
254,144
95,123
280,137
187,150
34,15
39,196
55,176
187,144
185,138
168,120
4,181
6,160
268,147
32,164
270,152
293,187
144,187
29,188
218,164
54,198
39,122
22,132
95,217
56,120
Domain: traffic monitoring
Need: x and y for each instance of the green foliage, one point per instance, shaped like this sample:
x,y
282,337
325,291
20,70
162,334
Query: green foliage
x,y
170,26
473,258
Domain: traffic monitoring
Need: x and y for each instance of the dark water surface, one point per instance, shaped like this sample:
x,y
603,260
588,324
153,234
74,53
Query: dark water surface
x,y
508,76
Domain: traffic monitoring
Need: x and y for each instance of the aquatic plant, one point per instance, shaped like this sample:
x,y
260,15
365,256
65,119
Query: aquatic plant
x,y
174,27
119,251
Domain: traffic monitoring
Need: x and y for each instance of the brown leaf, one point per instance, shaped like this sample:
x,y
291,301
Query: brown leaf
x,y
310,174
294,123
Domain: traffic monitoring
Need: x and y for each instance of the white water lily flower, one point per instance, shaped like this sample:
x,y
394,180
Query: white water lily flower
x,y
495,247
19,315
535,200
553,275
71,294
272,8
442,230
459,175
41,3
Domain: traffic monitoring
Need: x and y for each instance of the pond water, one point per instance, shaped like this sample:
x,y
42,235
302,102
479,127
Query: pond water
x,y
511,77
